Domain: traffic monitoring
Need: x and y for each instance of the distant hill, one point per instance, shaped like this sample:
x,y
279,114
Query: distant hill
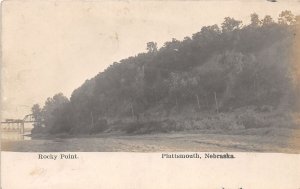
x,y
217,70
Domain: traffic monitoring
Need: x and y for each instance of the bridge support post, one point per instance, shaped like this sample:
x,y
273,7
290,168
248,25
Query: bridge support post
x,y
22,128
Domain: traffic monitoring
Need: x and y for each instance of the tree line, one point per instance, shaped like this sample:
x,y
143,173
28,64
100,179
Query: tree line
x,y
218,69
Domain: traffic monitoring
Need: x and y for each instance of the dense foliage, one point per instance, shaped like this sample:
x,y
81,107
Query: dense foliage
x,y
218,69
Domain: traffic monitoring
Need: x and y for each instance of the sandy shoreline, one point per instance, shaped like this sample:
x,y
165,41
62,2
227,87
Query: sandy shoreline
x,y
241,141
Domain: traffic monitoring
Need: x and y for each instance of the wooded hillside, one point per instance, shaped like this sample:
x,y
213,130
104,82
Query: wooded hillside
x,y
217,70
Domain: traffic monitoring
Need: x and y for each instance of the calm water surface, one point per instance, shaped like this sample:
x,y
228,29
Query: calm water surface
x,y
15,135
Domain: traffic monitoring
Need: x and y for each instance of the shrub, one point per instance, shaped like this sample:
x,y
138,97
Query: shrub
x,y
99,126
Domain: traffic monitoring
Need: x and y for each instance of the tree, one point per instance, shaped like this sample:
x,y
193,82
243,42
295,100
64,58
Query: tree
x,y
172,45
37,115
152,47
207,33
52,110
286,17
255,22
175,86
230,24
268,20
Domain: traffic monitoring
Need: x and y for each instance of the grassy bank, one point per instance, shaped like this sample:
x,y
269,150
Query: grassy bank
x,y
232,122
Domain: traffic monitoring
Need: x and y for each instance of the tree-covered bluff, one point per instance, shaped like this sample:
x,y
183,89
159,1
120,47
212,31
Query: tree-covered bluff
x,y
222,77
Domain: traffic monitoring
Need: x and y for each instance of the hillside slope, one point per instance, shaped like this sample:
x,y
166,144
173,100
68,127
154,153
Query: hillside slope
x,y
220,77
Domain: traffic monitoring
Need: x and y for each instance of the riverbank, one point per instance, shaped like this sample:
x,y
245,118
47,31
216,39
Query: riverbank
x,y
250,140
242,131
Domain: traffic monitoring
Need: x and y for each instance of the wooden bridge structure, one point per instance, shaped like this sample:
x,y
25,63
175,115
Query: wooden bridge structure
x,y
16,124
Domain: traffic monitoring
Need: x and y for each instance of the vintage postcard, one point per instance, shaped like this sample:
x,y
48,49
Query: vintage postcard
x,y
150,94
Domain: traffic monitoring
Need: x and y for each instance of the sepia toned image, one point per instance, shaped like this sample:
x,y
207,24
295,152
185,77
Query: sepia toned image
x,y
150,76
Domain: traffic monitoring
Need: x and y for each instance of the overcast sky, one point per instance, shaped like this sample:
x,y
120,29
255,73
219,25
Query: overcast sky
x,y
54,46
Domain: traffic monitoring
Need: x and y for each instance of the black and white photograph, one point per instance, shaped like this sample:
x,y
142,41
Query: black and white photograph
x,y
150,76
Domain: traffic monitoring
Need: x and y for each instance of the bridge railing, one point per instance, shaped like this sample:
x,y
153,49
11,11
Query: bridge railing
x,y
17,124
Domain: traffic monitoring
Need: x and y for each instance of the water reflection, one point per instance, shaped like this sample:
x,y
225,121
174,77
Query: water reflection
x,y
15,136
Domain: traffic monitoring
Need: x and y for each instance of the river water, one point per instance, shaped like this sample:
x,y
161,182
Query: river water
x,y
15,135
